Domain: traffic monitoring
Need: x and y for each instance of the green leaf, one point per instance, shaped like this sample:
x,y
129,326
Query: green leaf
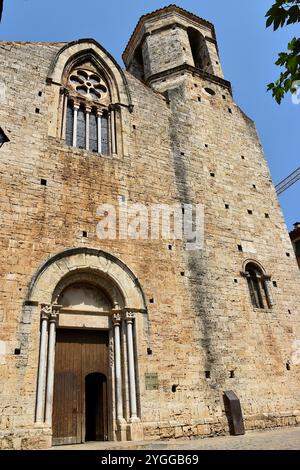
x,y
278,94
294,14
285,12
269,21
292,64
287,85
276,23
292,44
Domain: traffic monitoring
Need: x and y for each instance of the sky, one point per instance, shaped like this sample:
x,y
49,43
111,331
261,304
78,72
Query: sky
x,y
248,51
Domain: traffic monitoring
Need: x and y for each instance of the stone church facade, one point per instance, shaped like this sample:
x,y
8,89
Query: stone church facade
x,y
123,338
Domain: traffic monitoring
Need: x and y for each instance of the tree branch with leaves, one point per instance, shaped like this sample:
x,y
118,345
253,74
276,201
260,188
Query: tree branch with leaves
x,y
283,13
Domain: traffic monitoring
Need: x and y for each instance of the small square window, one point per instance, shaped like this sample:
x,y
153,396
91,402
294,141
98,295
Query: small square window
x,y
240,248
84,234
43,182
242,157
37,110
250,212
151,301
40,93
274,283
199,99
254,186
226,206
267,216
212,175
230,110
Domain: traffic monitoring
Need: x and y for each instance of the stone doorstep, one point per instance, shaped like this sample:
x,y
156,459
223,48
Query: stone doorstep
x,y
173,444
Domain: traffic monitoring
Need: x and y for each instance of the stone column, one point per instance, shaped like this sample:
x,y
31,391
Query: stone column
x,y
51,361
109,141
267,282
129,318
76,107
65,92
113,131
118,373
87,127
99,116
46,311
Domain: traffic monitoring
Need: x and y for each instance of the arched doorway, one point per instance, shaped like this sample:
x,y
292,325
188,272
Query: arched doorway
x,y
87,300
80,397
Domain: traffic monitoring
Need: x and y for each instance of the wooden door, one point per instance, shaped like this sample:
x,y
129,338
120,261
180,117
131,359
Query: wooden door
x,y
81,366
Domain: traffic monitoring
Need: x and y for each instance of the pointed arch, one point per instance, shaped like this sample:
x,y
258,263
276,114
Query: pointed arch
x,y
89,49
90,53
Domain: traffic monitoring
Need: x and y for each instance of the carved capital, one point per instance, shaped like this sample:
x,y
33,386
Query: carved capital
x,y
112,107
64,91
50,312
53,317
245,274
129,317
116,319
56,309
46,310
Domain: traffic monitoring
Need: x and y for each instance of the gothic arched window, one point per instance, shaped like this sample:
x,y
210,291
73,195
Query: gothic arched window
x,y
89,119
258,286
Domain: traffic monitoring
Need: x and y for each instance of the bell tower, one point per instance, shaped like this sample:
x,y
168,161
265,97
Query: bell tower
x,y
168,42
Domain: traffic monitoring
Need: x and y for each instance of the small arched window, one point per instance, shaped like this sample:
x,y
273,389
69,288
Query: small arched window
x,y
89,120
258,287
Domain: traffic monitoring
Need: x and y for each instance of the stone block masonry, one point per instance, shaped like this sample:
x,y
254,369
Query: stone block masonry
x,y
180,138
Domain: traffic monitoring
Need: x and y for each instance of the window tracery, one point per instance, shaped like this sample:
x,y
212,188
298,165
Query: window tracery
x,y
89,119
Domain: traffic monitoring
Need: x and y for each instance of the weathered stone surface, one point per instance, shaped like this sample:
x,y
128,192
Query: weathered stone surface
x,y
200,321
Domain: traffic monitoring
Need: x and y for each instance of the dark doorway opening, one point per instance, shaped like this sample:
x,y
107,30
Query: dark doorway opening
x,y
95,407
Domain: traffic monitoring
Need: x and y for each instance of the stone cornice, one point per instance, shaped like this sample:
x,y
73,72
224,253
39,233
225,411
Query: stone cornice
x,y
191,70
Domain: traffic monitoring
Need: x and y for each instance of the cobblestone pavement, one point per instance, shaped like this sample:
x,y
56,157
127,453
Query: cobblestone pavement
x,y
278,439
